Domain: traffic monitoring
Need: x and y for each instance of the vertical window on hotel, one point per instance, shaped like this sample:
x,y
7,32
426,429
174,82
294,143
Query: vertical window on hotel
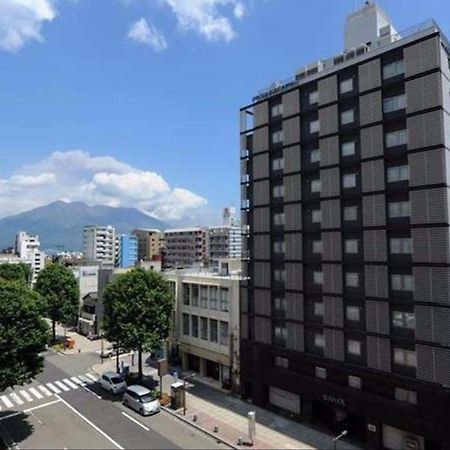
x,y
316,185
403,357
395,138
321,373
348,148
280,335
314,126
278,164
186,294
401,246
316,216
224,333
318,277
213,297
281,362
346,86
186,320
204,328
277,110
194,323
313,97
318,309
398,173
399,209
204,297
404,319
354,347
349,180
353,313
351,246
354,382
319,340
279,275
278,219
280,306
352,279
394,103
278,191
347,116
279,247
277,137
195,295
213,330
224,300
393,69
406,396
317,246
403,282
315,155
350,213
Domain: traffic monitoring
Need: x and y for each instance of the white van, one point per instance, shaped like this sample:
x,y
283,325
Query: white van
x,y
141,400
113,382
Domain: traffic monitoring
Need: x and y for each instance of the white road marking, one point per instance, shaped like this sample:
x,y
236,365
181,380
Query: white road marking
x,y
77,381
53,388
85,379
70,383
135,421
36,393
7,401
46,392
16,398
42,406
26,396
110,439
91,392
91,377
61,385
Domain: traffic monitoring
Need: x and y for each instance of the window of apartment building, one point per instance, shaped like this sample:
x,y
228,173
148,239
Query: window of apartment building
x,y
395,138
186,294
213,290
318,277
402,282
278,164
194,323
316,185
321,373
279,247
280,306
398,173
346,86
350,213
394,103
224,333
279,275
316,216
348,148
354,382
405,396
315,155
399,209
404,319
318,308
351,246
313,97
317,246
204,297
278,191
349,180
314,126
279,219
213,330
195,295
352,279
186,330
393,69
319,340
204,328
276,110
404,357
224,299
353,313
280,361
347,116
354,347
277,137
280,335
400,245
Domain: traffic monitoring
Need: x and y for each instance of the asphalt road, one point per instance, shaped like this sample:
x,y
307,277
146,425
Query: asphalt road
x,y
87,417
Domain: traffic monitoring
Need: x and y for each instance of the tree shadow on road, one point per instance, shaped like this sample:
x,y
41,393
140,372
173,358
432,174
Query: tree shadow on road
x,y
15,427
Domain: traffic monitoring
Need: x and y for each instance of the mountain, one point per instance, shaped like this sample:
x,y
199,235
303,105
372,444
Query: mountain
x,y
60,224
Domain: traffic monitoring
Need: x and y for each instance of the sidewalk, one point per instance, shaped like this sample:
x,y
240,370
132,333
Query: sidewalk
x,y
214,408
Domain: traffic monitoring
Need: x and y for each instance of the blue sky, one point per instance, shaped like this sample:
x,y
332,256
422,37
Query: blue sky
x,y
140,98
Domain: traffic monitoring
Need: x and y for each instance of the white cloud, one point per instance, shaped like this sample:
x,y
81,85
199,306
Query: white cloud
x,y
78,176
207,17
21,21
145,33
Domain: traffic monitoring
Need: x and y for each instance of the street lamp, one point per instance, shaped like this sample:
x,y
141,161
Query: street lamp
x,y
184,390
344,433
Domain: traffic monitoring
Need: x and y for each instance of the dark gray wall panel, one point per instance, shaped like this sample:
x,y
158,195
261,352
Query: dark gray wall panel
x,y
294,248
260,166
376,281
262,274
375,246
292,159
331,214
262,302
261,114
291,103
429,206
328,120
295,337
431,245
293,217
261,193
243,299
291,131
261,140
433,324
370,108
334,344
422,56
374,211
372,175
294,276
292,188
243,327
332,246
261,246
372,142
379,353
425,130
328,90
424,92
333,311
428,167
433,364
431,284
331,182
263,330
332,278
377,317
294,305
329,151
369,75
261,220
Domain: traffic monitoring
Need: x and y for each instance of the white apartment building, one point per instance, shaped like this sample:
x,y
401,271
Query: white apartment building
x,y
29,250
99,244
224,242
206,325
185,247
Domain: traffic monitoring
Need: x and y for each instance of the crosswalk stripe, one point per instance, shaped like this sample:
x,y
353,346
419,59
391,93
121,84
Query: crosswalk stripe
x,y
91,377
7,401
46,392
53,388
77,381
61,385
16,398
36,393
26,396
84,379
70,383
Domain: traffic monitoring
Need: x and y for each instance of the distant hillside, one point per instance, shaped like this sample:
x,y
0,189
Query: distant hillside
x,y
60,224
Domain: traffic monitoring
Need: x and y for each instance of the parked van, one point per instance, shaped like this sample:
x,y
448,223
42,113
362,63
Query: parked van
x,y
141,400
113,382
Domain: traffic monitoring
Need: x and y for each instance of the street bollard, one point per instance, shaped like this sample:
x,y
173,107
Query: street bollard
x,y
239,442
216,429
194,418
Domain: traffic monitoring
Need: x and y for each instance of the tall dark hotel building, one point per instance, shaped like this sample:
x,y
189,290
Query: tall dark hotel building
x,y
345,310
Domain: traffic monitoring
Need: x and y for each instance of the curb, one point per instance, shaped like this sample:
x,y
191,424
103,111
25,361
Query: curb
x,y
199,428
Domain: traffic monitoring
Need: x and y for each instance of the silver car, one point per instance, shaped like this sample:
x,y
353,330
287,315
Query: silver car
x,y
141,400
113,382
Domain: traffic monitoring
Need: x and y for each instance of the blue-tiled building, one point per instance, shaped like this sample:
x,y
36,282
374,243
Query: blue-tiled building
x,y
128,251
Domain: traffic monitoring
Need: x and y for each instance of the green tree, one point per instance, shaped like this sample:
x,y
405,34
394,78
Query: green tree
x,y
23,334
138,311
15,272
59,287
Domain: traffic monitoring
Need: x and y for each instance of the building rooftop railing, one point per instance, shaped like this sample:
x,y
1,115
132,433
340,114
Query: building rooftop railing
x,y
312,69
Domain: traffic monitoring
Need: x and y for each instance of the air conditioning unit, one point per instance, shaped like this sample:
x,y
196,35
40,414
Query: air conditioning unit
x,y
411,443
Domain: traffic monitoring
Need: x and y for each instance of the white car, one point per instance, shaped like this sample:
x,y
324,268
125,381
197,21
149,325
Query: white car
x,y
141,400
113,382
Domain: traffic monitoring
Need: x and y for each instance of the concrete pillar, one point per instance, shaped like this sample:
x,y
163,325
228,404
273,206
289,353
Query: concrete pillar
x,y
184,360
203,367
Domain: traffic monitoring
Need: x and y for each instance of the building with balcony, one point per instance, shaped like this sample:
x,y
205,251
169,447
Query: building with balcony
x,y
345,303
185,247
150,243
99,244
28,248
